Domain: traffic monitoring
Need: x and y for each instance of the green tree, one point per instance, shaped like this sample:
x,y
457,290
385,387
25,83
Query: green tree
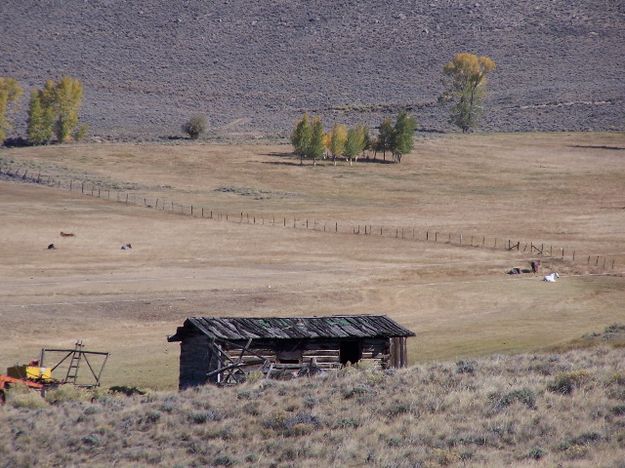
x,y
385,137
355,143
54,110
10,92
68,98
466,77
403,135
315,148
195,126
301,136
338,137
40,120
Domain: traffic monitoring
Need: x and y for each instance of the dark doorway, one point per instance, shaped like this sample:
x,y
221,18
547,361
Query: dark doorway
x,y
350,352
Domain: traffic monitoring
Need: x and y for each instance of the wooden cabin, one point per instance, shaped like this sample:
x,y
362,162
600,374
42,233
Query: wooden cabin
x,y
225,350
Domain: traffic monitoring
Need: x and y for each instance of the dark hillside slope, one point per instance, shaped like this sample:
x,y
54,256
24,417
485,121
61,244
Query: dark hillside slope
x,y
254,66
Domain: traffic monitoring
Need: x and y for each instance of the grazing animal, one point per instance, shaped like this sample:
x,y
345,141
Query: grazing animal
x,y
535,266
126,246
51,247
67,234
551,278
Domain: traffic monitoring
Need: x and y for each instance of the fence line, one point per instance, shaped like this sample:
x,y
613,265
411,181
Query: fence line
x,y
410,233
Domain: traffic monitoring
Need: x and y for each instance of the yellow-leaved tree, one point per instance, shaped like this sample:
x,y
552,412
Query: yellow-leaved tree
x,y
337,140
466,86
10,92
54,110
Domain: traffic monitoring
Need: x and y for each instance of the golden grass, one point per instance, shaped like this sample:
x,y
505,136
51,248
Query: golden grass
x,y
563,189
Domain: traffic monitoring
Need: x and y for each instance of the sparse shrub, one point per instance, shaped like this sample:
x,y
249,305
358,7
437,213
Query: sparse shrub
x,y
465,367
575,452
536,453
310,401
566,382
195,126
356,391
618,410
67,393
524,395
445,457
128,391
396,408
31,400
91,440
225,460
201,417
346,423
615,328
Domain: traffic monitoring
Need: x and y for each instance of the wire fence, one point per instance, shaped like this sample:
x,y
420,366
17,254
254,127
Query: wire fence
x,y
538,250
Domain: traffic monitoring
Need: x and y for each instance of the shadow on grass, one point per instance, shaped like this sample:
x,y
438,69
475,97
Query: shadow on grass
x,y
615,148
328,161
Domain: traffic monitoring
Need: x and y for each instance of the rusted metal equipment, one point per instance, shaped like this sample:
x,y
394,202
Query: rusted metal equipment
x,y
36,376
6,382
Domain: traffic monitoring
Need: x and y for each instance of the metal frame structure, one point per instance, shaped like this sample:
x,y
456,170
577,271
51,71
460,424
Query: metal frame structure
x,y
76,356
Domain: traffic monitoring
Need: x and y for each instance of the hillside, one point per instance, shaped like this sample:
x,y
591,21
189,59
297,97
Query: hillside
x,y
548,409
252,67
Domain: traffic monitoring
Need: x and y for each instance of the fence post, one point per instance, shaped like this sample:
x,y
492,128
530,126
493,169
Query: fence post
x,y
427,235
82,187
573,255
336,227
284,222
562,253
211,214
306,224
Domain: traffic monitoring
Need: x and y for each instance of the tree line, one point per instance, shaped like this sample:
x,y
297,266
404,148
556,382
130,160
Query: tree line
x,y
52,110
464,77
309,139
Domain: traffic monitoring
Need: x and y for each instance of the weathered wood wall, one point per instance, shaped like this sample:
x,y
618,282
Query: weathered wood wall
x,y
398,352
197,359
200,356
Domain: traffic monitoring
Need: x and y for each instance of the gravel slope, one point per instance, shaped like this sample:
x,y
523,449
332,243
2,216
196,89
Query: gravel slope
x,y
253,67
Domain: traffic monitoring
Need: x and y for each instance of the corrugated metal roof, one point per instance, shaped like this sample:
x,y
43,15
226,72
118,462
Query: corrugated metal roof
x,y
337,326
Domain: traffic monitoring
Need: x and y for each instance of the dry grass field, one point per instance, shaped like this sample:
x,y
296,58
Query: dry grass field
x,y
562,189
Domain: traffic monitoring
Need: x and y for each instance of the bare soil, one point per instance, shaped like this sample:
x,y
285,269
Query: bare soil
x,y
253,67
